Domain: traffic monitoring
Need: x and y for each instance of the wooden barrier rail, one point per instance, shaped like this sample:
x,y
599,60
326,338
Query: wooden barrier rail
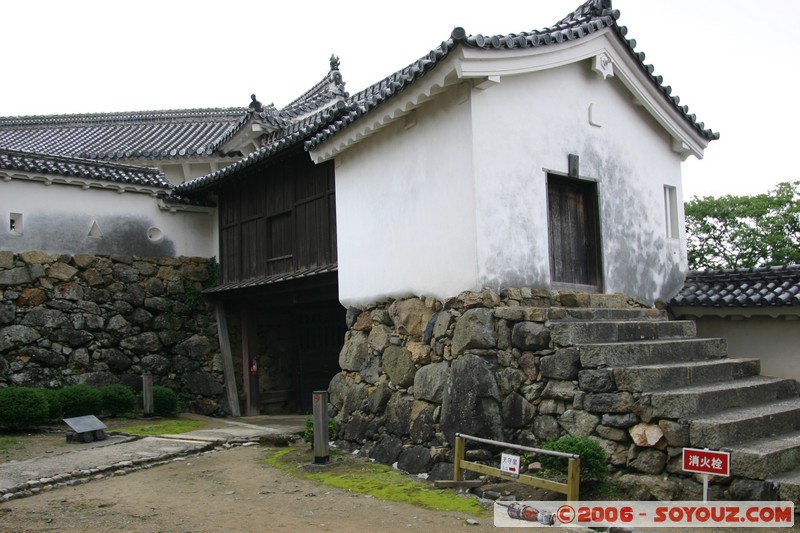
x,y
571,488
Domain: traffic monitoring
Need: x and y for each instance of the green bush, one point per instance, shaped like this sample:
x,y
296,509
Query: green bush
x,y
308,434
22,407
53,397
117,399
80,400
593,457
165,401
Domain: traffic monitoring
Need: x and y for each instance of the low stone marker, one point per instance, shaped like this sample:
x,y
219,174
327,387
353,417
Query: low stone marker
x,y
85,429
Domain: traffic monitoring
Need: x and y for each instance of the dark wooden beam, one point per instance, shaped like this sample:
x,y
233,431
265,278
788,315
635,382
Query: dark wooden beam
x,y
573,166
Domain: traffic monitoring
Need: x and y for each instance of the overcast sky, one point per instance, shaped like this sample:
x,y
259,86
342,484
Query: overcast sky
x,y
734,62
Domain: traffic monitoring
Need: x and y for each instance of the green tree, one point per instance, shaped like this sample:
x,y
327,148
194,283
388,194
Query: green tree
x,y
745,231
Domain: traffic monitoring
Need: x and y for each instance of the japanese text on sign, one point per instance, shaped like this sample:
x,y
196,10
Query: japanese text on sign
x,y
706,461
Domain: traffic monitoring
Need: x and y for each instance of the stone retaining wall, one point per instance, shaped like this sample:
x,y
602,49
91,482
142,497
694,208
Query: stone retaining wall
x,y
416,371
99,320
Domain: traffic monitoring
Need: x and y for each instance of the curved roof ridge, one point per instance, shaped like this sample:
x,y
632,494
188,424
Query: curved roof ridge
x,y
121,116
281,140
332,79
588,18
374,95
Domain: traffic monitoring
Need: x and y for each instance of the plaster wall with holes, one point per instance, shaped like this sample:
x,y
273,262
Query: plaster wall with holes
x,y
64,218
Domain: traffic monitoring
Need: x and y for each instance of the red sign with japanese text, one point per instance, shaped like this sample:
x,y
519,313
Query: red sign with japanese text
x,y
706,462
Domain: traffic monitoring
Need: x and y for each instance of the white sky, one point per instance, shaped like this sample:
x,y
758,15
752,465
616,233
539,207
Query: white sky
x,y
734,62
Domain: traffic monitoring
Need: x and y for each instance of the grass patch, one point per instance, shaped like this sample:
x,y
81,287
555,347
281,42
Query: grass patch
x,y
162,427
9,443
373,479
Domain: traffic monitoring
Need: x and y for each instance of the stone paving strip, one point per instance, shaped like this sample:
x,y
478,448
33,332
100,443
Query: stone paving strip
x,y
120,455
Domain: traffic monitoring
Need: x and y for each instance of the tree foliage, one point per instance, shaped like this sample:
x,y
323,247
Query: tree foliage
x,y
745,231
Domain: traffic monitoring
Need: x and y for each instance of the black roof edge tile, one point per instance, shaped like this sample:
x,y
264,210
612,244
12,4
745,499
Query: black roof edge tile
x,y
591,14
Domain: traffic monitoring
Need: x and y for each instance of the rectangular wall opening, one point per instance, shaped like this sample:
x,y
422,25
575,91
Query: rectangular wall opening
x,y
671,211
15,223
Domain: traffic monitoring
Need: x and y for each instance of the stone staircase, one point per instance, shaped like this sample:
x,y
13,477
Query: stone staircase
x,y
718,402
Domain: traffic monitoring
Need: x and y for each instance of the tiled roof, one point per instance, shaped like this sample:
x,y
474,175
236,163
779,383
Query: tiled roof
x,y
589,18
749,287
274,278
55,165
323,94
284,139
123,136
320,95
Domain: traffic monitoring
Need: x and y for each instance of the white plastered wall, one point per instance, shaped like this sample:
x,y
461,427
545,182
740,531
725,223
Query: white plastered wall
x,y
773,340
459,201
58,218
405,207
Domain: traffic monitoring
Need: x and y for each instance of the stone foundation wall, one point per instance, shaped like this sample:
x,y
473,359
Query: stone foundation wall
x,y
99,320
416,371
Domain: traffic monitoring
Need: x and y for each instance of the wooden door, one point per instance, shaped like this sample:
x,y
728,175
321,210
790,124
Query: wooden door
x,y
574,233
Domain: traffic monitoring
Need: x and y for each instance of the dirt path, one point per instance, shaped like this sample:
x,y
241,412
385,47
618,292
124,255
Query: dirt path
x,y
225,490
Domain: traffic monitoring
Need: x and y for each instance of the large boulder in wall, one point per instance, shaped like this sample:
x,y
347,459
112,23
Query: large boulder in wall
x,y
471,402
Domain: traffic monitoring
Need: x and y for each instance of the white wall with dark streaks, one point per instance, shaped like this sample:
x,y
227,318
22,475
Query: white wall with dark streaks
x,y
59,219
626,153
459,201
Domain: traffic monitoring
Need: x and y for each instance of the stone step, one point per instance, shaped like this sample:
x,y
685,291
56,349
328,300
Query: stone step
x,y
593,313
617,354
697,399
571,333
744,424
788,486
662,376
759,459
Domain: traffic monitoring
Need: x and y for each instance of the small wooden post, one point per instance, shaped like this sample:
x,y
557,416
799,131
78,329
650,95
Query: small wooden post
x,y
320,401
147,394
573,480
458,473
227,360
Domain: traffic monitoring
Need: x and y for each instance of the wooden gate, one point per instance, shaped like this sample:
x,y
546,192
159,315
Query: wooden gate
x,y
319,336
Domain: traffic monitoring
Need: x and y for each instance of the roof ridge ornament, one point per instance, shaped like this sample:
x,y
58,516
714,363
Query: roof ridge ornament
x,y
255,105
335,76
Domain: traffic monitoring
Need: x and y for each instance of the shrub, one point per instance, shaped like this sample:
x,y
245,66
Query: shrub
x,y
308,435
80,400
22,407
593,457
117,399
165,401
53,397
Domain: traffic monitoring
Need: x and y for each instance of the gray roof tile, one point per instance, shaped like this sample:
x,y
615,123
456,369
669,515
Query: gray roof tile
x,y
590,17
744,287
123,136
56,165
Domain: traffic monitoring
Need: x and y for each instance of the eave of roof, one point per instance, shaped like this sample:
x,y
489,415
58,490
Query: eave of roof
x,y
765,287
272,279
591,17
51,167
